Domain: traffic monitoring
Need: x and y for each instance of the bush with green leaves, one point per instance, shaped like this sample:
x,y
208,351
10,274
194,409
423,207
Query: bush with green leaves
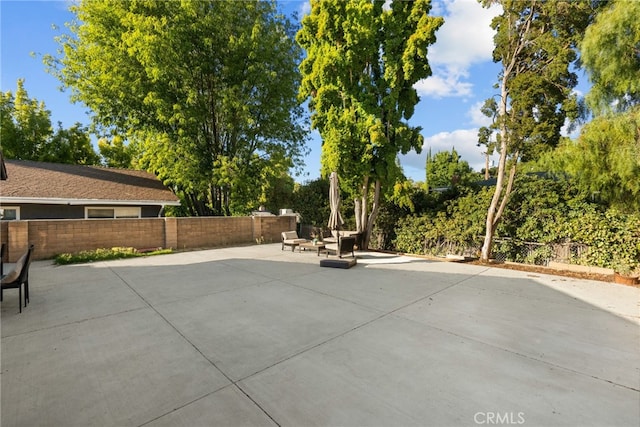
x,y
104,254
542,210
452,228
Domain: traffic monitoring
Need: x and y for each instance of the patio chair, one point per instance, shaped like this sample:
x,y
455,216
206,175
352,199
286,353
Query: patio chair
x,y
18,277
344,246
290,238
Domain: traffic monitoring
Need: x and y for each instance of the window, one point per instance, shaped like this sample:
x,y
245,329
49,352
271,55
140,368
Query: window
x,y
116,212
10,213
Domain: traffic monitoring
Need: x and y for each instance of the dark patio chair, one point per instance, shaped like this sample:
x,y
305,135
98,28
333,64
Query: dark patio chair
x,y
344,246
18,277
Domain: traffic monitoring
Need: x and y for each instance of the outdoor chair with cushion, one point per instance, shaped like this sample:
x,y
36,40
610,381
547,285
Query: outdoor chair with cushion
x,y
18,277
290,238
344,246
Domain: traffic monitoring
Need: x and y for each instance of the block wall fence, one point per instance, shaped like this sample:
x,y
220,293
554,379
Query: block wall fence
x,y
52,237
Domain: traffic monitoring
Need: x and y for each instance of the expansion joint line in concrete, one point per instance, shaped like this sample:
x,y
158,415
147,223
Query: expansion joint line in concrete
x,y
357,327
231,381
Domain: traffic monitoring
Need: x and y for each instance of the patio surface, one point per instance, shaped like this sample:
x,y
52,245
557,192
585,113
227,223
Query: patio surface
x,y
258,336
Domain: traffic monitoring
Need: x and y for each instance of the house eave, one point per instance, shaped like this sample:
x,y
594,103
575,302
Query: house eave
x,y
101,202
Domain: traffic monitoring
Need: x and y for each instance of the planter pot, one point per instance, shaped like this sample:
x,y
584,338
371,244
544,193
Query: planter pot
x,y
625,280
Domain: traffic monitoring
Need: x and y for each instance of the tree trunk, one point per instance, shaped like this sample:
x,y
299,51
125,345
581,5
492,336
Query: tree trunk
x,y
357,209
372,216
492,212
486,165
364,205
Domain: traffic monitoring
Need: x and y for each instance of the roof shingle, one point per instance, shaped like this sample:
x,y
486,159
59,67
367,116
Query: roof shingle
x,y
29,179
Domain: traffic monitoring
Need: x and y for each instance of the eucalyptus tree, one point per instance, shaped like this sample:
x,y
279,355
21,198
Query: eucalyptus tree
x,y
363,58
205,89
535,43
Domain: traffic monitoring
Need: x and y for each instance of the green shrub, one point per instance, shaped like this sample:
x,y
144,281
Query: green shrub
x,y
104,254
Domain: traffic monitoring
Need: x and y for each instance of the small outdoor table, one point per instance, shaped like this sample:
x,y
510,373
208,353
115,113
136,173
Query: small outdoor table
x,y
310,245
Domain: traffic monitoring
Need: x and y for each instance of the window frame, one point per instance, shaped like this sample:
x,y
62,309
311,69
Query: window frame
x,y
115,212
15,208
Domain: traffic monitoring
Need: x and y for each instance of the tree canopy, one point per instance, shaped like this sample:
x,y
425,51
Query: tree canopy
x,y
446,168
205,89
610,52
604,162
26,132
363,58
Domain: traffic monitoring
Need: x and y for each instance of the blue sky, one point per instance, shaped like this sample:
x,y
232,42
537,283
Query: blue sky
x,y
448,111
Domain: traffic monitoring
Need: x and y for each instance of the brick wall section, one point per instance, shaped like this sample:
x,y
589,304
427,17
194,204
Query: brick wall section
x,y
52,237
272,227
208,232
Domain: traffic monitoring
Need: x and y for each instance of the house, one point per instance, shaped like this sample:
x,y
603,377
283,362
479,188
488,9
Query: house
x,y
38,190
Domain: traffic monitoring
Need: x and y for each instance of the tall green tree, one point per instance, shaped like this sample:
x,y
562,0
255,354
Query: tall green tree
x,y
447,169
604,162
535,43
26,124
363,58
204,88
71,145
26,132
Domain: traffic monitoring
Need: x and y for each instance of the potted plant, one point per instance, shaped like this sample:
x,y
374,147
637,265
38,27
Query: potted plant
x,y
626,272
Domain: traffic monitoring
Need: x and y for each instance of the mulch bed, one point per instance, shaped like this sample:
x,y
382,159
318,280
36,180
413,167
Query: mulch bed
x,y
547,270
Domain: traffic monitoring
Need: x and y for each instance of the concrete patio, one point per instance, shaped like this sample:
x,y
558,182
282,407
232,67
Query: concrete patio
x,y
258,336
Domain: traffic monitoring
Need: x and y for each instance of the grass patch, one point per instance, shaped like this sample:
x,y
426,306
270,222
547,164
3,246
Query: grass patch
x,y
104,254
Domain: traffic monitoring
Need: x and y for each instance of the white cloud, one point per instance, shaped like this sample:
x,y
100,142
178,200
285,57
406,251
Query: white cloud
x,y
463,140
443,85
305,9
464,39
476,116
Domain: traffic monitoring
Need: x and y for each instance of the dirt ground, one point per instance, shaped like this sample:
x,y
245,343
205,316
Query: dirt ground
x,y
535,269
547,270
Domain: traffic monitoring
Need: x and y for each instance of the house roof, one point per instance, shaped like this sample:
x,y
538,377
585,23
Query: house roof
x,y
57,183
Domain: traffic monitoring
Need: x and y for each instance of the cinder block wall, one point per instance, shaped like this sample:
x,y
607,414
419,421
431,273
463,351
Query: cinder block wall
x,y
52,237
208,232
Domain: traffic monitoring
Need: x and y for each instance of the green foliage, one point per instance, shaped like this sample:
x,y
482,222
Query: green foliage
x,y
363,59
446,169
71,145
206,91
116,153
311,200
545,211
604,163
26,125
610,52
104,254
535,42
26,133
613,238
454,226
